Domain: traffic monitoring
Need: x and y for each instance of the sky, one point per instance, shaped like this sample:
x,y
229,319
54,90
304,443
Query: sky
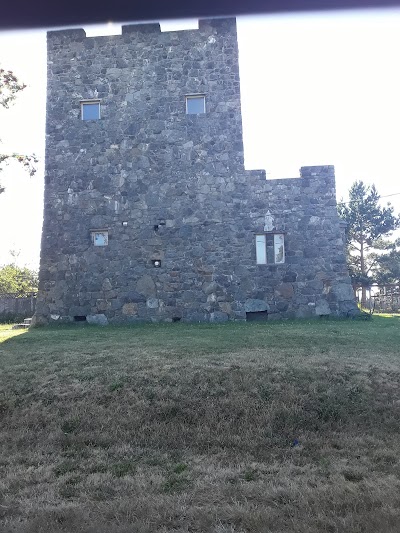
x,y
316,88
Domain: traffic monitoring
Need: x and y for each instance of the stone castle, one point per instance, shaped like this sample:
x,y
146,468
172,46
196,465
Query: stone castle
x,y
149,211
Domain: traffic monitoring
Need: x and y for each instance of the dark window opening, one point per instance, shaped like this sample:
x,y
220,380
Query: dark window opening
x,y
80,318
176,319
257,316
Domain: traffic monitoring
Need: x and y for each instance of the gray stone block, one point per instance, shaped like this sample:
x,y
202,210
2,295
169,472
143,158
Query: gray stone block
x,y
322,308
134,296
98,320
218,316
343,292
153,303
253,305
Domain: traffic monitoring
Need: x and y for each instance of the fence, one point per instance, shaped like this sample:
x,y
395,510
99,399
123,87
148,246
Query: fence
x,y
14,307
383,298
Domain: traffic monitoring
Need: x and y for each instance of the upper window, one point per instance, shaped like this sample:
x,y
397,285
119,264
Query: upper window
x,y
90,110
195,104
270,249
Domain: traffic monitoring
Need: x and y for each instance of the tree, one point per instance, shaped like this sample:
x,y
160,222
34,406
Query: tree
x,y
387,266
367,224
9,88
18,280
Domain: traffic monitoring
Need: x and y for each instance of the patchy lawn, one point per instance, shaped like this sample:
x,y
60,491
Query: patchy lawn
x,y
6,332
278,427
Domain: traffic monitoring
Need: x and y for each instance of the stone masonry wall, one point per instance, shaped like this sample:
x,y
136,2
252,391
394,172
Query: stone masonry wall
x,y
172,187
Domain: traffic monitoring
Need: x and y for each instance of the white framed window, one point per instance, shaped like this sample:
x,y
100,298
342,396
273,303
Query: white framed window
x,y
99,237
90,110
195,104
270,249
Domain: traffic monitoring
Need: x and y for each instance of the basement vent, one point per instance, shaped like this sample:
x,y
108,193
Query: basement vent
x,y
257,316
80,318
176,319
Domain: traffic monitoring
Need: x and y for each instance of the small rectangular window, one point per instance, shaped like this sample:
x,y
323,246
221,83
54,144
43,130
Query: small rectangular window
x,y
90,110
99,237
270,249
195,104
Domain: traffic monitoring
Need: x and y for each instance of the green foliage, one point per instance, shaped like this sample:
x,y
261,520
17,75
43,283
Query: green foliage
x,y
116,386
387,266
179,468
9,88
175,483
18,280
250,475
367,224
28,162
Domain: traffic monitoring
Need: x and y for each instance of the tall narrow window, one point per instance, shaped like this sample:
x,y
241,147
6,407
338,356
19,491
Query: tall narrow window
x,y
261,250
90,110
270,249
195,104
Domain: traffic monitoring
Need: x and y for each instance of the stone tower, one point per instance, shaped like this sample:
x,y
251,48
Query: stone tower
x,y
149,212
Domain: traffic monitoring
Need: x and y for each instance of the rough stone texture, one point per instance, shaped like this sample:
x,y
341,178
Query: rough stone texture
x,y
254,305
98,320
129,309
172,187
218,316
322,308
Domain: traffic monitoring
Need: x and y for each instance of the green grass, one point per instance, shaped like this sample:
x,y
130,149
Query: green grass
x,y
277,427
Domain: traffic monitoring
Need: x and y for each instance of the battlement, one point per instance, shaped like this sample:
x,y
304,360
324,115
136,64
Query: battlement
x,y
65,36
141,28
225,25
320,171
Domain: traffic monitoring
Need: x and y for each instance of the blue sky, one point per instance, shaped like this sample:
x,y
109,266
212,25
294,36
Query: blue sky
x,y
316,89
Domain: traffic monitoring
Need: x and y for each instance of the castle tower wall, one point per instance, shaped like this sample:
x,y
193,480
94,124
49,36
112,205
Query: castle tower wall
x,y
180,222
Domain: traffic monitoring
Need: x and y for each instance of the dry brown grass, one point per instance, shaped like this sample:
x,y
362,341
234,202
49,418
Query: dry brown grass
x,y
290,427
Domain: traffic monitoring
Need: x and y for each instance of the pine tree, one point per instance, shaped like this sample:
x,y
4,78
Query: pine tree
x,y
387,267
367,225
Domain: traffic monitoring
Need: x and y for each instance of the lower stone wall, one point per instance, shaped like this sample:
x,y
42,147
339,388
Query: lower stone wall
x,y
204,245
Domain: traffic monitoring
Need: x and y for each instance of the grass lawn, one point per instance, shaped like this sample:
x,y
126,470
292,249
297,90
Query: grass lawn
x,y
278,427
